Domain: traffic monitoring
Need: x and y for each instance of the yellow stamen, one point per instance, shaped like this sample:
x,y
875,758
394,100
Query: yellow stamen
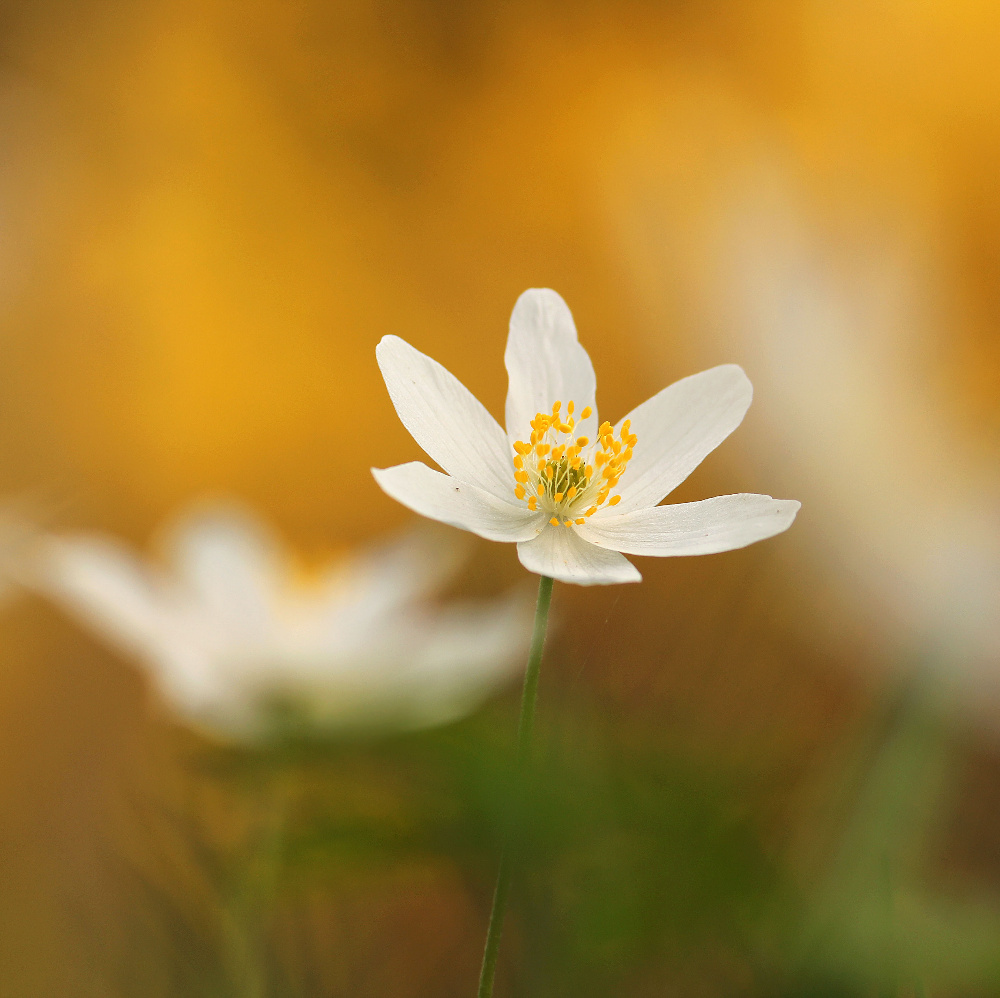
x,y
582,441
569,407
580,519
587,413
614,500
570,492
554,521
541,490
558,497
532,503
519,491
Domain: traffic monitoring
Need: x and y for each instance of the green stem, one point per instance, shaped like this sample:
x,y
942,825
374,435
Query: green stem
x,y
528,696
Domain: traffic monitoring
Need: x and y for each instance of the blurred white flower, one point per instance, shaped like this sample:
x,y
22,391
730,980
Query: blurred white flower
x,y
227,631
575,495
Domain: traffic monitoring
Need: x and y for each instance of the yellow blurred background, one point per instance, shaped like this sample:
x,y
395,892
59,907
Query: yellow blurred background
x,y
211,212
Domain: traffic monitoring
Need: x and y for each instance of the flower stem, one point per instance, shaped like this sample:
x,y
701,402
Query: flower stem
x,y
529,694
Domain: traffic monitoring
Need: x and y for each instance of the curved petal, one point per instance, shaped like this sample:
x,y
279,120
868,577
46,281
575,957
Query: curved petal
x,y
561,553
457,503
677,428
720,524
545,363
445,418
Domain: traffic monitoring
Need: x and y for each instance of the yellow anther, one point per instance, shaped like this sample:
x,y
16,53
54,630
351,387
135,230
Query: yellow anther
x,y
570,492
589,471
556,406
548,472
625,428
633,440
542,449
566,427
606,427
541,489
519,491
580,519
582,441
574,462
614,500
600,459
569,407
566,523
554,521
591,511
558,497
518,461
532,503
520,476
587,413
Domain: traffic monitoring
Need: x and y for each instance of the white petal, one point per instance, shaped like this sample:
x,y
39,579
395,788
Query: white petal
x,y
101,583
375,584
228,563
457,503
719,524
561,553
545,364
445,418
677,428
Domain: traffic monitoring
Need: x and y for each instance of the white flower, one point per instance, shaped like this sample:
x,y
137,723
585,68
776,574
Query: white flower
x,y
226,632
572,493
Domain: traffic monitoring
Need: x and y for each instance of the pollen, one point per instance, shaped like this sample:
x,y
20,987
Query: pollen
x,y
565,477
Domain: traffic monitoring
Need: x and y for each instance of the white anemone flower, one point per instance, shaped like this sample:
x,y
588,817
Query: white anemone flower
x,y
573,493
227,631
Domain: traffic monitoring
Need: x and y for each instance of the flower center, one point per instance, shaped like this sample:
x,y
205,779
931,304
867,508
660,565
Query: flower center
x,y
570,478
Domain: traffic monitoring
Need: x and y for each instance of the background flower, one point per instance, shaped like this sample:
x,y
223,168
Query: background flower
x,y
227,630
